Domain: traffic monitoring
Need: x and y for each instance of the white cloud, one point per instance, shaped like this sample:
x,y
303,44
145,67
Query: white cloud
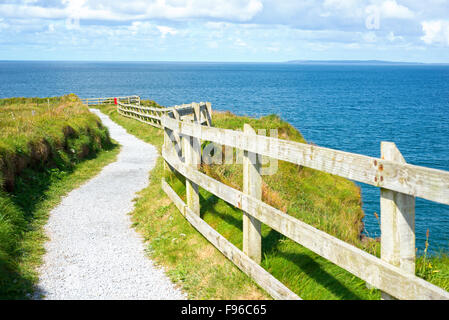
x,y
392,37
213,44
342,5
391,9
273,49
369,37
74,4
141,27
29,12
436,32
3,25
233,10
239,42
352,46
164,30
317,46
216,25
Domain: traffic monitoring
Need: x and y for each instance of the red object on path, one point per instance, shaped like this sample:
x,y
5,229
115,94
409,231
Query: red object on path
x,y
115,100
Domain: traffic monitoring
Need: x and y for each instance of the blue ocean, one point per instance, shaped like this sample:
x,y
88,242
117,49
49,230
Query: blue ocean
x,y
346,107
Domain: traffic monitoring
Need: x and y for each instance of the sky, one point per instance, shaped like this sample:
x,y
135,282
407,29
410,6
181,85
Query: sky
x,y
230,30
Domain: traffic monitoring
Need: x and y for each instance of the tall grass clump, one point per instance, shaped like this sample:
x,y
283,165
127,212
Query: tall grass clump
x,y
36,132
42,140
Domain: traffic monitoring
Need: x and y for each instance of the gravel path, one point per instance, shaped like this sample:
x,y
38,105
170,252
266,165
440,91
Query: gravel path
x,y
93,252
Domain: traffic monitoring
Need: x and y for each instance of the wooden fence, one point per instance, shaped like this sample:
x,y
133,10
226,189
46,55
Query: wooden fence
x,y
110,100
400,183
153,116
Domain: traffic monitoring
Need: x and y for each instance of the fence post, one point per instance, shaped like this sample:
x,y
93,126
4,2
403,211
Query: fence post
x,y
192,157
170,147
208,114
252,186
175,115
196,112
397,221
165,147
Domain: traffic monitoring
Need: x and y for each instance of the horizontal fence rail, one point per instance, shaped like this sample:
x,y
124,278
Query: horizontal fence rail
x,y
422,182
273,286
110,100
187,126
367,267
153,116
147,115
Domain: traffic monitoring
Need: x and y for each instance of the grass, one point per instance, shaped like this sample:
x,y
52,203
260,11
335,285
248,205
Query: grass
x,y
327,202
48,148
38,131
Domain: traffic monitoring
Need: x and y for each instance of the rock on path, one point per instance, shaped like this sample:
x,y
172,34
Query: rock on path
x,y
93,252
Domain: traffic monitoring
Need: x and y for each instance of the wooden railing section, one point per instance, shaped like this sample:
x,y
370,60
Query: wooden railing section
x,y
400,183
110,100
153,116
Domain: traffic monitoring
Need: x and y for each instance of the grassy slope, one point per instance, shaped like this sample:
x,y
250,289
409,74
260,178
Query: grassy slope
x,y
44,153
327,202
39,131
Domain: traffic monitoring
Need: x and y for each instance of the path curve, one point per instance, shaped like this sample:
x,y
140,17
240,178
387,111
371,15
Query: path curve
x,y
93,252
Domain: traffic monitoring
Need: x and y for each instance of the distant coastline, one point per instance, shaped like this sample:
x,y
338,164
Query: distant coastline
x,y
363,62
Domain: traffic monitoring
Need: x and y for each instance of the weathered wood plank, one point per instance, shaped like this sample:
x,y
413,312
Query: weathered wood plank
x,y
181,112
135,118
96,101
146,115
378,273
208,114
252,186
189,109
145,108
397,222
192,156
264,279
430,184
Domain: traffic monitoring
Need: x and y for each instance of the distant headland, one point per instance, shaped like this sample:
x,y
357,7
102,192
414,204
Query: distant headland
x,y
360,62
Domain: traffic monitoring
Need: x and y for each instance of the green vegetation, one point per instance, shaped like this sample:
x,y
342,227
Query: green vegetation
x,y
327,202
150,103
47,148
37,131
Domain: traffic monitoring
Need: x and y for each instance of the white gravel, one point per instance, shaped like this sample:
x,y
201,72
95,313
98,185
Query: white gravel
x,y
93,252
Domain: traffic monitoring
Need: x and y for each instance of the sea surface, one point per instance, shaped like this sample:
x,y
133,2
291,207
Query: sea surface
x,y
346,107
